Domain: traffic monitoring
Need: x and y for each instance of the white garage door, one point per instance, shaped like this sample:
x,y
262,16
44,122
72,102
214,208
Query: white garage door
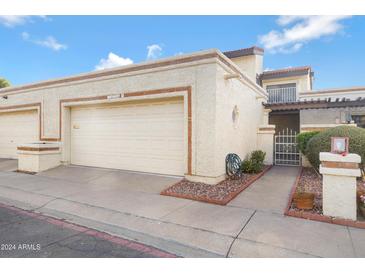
x,y
147,137
17,128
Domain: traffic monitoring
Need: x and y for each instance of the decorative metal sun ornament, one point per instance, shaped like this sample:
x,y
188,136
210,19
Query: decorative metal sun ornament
x,y
233,166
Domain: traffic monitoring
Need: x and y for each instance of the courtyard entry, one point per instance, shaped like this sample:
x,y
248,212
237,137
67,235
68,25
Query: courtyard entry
x,y
285,119
286,152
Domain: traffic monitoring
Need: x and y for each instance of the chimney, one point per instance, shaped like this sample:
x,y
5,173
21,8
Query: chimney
x,y
249,60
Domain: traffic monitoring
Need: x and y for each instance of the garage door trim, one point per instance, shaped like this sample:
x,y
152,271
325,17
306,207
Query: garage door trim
x,y
104,99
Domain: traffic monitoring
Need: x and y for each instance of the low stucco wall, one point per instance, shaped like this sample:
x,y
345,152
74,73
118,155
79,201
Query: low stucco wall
x,y
265,142
328,116
251,65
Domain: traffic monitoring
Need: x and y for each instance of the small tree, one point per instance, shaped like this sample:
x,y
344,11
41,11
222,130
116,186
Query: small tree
x,y
4,83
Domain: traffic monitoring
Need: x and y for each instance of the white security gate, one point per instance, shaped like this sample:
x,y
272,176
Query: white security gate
x,y
286,148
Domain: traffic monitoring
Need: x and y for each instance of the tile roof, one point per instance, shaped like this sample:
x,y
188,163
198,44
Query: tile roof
x,y
244,52
303,69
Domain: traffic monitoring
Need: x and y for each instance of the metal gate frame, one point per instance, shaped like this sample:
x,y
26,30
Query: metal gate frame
x,y
286,152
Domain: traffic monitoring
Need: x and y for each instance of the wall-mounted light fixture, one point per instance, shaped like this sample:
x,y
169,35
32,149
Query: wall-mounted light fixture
x,y
235,116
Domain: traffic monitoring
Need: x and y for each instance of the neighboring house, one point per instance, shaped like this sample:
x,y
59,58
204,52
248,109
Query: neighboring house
x,y
177,116
296,106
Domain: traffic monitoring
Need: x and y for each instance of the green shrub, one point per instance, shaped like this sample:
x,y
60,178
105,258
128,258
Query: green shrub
x,y
255,163
303,139
322,142
246,166
258,156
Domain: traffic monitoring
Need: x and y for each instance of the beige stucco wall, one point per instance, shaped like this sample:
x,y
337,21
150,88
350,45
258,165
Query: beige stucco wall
x,y
339,184
200,75
251,65
265,142
240,137
328,116
213,98
37,162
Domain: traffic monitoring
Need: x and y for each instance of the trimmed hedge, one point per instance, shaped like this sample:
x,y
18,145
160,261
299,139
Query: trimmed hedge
x,y
303,139
322,143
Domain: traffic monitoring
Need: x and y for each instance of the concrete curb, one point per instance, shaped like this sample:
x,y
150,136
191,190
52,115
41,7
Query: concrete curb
x,y
170,246
92,232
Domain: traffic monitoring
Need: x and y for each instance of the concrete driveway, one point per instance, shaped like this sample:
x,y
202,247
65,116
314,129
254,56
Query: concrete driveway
x,y
128,204
8,165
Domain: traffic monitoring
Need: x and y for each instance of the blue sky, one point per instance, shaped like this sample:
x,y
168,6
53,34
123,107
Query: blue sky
x,y
40,48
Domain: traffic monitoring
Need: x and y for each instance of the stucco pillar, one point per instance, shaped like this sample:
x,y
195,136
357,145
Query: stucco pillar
x,y
265,138
339,184
265,142
265,119
39,156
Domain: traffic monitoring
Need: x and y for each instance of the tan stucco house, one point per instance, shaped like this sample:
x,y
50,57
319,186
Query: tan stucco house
x,y
176,116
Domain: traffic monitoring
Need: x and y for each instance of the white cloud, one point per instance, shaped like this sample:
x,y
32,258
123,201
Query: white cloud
x,y
25,35
154,51
299,30
112,61
16,20
288,19
51,42
48,42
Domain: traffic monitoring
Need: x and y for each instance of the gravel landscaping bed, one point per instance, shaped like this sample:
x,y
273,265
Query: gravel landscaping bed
x,y
220,193
310,181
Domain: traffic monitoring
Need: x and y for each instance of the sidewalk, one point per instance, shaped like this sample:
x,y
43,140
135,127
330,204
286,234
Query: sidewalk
x,y
128,205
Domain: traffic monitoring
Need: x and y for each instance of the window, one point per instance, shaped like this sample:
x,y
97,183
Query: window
x,y
282,93
359,120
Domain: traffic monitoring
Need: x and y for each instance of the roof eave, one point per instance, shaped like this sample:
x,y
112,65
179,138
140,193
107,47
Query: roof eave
x,y
316,104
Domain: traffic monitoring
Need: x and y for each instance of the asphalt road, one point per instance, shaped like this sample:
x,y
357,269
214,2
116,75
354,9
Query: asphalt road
x,y
27,234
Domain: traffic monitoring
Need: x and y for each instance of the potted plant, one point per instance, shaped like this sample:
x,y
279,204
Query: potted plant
x,y
304,200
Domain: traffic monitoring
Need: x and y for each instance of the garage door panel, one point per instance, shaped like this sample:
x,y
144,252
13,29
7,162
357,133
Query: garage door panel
x,y
135,128
140,137
17,128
